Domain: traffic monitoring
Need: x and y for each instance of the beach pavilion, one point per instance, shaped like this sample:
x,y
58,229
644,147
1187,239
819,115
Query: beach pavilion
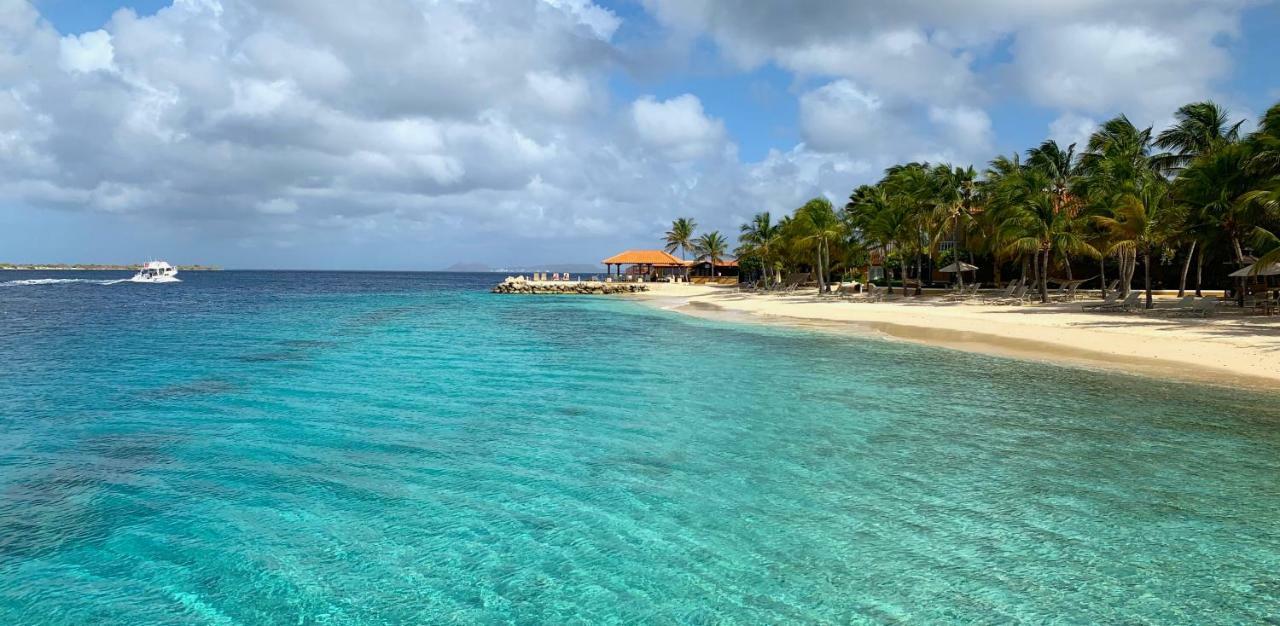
x,y
651,264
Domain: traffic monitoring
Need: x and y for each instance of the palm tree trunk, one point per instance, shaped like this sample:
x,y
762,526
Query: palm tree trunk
x,y
818,268
1035,272
1126,279
919,275
888,274
826,263
1199,271
1131,266
955,254
1186,266
1102,274
1235,244
1044,276
1122,260
1146,274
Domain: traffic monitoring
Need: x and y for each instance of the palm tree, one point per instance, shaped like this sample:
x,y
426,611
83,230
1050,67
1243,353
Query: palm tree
x,y
954,191
681,235
893,226
819,226
1264,196
1201,128
911,188
711,247
1217,187
759,239
1032,223
1142,222
1116,165
1001,175
1058,165
865,219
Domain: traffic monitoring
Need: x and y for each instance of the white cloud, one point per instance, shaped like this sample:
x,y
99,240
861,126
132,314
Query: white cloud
x,y
494,122
278,206
842,118
1144,57
678,127
900,62
1103,67
600,20
565,96
839,116
87,52
1072,129
966,128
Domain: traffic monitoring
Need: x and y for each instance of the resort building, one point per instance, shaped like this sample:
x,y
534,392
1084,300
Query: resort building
x,y
645,265
726,272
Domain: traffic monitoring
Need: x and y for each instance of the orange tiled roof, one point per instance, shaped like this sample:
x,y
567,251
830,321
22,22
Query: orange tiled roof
x,y
644,257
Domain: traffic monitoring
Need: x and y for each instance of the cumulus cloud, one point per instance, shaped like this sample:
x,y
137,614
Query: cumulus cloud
x,y
1072,129
840,117
277,122
1098,67
86,53
1082,57
678,127
216,109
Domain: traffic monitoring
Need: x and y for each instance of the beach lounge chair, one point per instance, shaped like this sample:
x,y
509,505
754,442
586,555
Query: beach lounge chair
x,y
1268,304
870,293
1008,293
1110,300
1186,302
1132,301
968,293
847,291
1018,297
1204,307
1066,293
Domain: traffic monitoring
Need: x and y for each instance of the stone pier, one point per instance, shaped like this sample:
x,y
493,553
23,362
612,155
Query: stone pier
x,y
518,285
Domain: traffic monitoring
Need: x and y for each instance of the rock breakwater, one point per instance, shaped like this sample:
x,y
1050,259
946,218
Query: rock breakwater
x,y
516,285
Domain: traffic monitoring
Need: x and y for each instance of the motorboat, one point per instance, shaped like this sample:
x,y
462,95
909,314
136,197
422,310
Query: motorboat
x,y
156,272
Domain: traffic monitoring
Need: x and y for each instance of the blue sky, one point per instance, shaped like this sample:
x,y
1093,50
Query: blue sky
x,y
375,135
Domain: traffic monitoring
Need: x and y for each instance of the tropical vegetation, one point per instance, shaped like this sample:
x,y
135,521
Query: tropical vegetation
x,y
1199,194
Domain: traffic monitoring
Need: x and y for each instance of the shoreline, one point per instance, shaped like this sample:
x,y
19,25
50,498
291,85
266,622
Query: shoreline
x,y
1229,351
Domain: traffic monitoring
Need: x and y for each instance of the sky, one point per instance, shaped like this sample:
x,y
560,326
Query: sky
x,y
413,134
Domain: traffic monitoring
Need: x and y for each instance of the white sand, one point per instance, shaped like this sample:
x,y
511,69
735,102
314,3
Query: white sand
x,y
1226,348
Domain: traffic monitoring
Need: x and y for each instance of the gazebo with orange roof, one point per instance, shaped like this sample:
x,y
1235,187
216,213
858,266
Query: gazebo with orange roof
x,y
647,261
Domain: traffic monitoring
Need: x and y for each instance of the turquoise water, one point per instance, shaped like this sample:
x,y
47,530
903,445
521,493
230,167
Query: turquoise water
x,y
324,448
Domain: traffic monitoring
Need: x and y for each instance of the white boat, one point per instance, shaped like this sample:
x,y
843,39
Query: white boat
x,y
156,272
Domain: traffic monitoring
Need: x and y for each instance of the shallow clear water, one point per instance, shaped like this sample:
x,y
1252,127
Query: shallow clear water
x,y
346,448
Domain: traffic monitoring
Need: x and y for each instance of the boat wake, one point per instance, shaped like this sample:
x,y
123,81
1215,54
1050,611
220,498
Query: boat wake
x,y
60,281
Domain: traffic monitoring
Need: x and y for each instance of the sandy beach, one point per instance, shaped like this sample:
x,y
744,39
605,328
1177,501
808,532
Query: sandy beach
x,y
1227,348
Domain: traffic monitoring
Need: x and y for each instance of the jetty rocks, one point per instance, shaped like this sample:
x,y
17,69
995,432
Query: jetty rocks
x,y
518,285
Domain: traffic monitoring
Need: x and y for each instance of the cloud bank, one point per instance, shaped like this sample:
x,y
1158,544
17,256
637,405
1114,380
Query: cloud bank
x,y
493,126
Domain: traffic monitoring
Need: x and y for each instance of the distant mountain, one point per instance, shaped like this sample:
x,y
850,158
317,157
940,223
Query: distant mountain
x,y
468,267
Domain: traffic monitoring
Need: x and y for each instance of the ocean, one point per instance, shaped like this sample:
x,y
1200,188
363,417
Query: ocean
x,y
406,448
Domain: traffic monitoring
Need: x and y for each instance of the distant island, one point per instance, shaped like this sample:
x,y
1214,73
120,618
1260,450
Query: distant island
x,y
574,268
98,267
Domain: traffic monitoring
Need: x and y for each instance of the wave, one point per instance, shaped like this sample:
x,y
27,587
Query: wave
x,y
60,281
